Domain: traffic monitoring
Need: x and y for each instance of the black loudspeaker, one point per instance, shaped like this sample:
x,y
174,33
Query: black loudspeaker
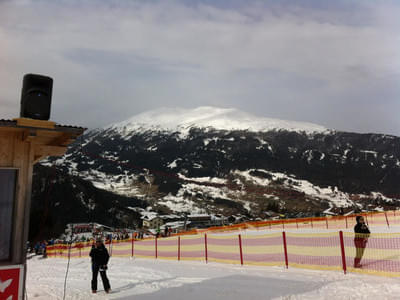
x,y
36,97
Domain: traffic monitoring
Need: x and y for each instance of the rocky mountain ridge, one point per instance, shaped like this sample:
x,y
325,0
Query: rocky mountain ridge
x,y
212,160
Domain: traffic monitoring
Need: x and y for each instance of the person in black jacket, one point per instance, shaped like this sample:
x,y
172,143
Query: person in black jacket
x,y
100,257
361,236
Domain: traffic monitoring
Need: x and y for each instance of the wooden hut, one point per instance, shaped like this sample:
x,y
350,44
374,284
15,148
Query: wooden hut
x,y
23,142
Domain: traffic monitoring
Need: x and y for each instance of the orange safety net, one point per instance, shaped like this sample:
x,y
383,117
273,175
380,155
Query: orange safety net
x,y
263,249
377,253
320,251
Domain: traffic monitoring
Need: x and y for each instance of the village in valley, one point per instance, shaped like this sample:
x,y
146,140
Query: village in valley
x,y
153,225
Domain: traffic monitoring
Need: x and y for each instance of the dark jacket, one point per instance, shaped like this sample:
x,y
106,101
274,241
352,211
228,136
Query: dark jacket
x,y
361,235
99,255
361,228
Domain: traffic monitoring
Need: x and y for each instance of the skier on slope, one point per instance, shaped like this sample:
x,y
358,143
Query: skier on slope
x,y
100,257
361,236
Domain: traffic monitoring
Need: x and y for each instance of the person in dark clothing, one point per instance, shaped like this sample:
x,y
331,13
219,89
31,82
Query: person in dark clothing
x,y
100,257
37,248
361,235
165,231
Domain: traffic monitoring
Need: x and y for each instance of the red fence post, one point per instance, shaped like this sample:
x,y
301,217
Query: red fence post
x,y
240,248
342,251
387,221
285,249
133,247
205,247
156,250
179,248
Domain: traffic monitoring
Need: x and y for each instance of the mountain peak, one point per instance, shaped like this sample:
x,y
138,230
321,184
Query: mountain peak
x,y
181,120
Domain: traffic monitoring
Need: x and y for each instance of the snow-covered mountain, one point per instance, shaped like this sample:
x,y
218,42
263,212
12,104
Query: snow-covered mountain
x,y
207,118
213,160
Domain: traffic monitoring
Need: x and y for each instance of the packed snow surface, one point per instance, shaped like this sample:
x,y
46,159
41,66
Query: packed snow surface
x,y
181,120
144,279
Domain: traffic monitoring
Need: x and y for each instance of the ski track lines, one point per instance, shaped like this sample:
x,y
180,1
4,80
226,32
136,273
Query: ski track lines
x,y
169,280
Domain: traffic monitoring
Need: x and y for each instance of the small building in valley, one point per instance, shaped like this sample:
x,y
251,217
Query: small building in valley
x,y
152,221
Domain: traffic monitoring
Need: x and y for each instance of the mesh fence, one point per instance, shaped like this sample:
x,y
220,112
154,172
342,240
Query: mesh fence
x,y
192,247
266,249
376,253
223,248
315,251
167,248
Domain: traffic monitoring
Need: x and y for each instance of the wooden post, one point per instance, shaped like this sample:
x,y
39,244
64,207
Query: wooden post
x,y
205,247
326,220
179,248
285,249
387,221
69,250
240,249
156,250
133,246
297,224
342,251
312,224
346,221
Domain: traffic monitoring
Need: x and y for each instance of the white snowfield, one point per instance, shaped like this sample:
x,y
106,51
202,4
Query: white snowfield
x,y
181,120
171,280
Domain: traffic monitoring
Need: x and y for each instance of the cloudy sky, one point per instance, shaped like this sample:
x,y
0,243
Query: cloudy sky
x,y
334,63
